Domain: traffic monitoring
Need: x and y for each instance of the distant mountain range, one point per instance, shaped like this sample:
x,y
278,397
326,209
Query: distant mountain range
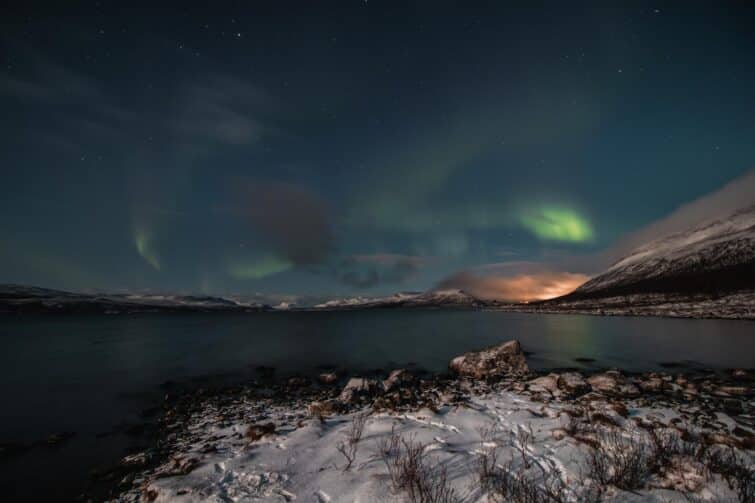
x,y
434,299
707,271
30,299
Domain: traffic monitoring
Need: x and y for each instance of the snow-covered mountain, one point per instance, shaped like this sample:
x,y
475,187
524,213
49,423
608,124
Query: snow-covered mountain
x,y
715,257
19,298
434,299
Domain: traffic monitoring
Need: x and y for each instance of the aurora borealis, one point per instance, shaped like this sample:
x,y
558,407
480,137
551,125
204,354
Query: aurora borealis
x,y
365,147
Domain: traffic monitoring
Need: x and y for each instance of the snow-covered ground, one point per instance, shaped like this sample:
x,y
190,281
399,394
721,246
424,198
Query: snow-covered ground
x,y
251,449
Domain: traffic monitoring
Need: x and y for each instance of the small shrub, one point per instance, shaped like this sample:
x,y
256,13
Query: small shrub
x,y
736,469
504,484
620,461
348,448
523,441
410,471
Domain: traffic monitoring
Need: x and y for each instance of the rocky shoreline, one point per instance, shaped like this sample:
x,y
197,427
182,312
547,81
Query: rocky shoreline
x,y
265,440
738,305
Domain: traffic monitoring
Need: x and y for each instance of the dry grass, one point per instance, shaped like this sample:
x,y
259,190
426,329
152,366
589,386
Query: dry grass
x,y
622,461
349,446
511,484
736,470
411,471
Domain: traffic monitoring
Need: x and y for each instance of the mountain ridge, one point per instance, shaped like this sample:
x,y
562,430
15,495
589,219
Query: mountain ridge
x,y
715,257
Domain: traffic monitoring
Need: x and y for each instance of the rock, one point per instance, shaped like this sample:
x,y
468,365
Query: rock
x,y
573,383
742,375
652,385
356,388
257,431
185,465
613,383
327,378
629,390
732,391
321,410
603,382
559,434
619,408
495,361
547,384
721,438
398,378
138,459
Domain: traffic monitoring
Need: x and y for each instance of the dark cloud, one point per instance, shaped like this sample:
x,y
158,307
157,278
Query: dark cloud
x,y
294,221
369,271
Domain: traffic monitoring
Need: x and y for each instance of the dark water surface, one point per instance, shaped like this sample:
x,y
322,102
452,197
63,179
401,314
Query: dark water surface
x,y
96,375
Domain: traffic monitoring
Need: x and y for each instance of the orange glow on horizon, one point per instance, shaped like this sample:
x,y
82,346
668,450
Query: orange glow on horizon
x,y
519,288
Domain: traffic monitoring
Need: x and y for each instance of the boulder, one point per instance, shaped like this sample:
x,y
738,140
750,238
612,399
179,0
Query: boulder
x,y
613,383
573,383
726,391
398,378
321,410
356,388
547,383
652,384
559,434
742,375
257,431
495,361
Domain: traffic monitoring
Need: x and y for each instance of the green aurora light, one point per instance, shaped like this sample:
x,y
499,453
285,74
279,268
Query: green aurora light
x,y
258,269
557,224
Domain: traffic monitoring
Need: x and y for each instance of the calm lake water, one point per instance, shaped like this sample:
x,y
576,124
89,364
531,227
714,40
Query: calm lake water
x,y
95,375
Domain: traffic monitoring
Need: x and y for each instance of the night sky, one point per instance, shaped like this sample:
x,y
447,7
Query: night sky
x,y
357,147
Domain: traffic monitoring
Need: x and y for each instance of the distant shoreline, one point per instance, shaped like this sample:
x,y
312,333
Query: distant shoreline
x,y
739,305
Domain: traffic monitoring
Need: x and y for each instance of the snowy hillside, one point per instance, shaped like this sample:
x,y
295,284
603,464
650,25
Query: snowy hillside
x,y
715,257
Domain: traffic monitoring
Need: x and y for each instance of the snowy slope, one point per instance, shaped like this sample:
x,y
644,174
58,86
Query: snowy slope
x,y
717,256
